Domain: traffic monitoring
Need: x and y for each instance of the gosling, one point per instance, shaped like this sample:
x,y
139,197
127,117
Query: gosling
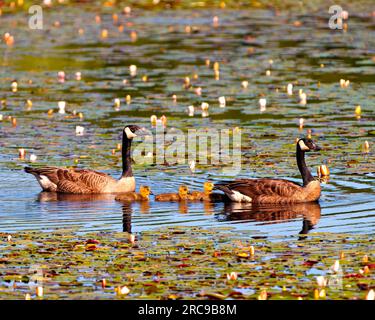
x,y
143,195
206,194
182,195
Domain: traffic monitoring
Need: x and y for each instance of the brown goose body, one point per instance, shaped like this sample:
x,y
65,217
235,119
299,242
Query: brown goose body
x,y
85,181
276,190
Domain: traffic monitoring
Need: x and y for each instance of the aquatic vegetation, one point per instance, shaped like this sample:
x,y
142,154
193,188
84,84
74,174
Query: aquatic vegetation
x,y
188,263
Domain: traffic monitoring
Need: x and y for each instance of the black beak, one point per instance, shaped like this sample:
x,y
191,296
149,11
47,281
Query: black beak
x,y
317,148
142,132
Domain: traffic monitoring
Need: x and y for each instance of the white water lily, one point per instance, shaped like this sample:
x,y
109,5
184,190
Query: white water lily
x,y
370,295
262,104
322,281
79,130
222,101
336,266
245,84
124,290
301,122
204,106
61,105
117,102
191,111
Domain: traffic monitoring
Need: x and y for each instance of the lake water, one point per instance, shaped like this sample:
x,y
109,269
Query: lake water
x,y
247,42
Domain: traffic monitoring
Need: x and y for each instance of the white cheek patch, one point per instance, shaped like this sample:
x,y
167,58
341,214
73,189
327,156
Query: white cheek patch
x,y
303,146
239,197
129,134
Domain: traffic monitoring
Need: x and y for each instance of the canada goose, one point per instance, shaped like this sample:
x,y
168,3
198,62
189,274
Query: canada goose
x,y
143,195
55,179
277,190
206,194
183,194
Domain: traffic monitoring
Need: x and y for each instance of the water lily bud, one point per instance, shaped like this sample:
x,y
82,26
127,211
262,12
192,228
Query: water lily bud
x,y
14,86
198,91
78,76
365,258
289,89
366,147
133,36
323,171
216,66
104,33
9,238
215,21
1,117
21,153
174,98
128,99
358,110
268,72
132,238
232,276
301,123
127,10
29,103
303,98
245,84
124,290
39,292
252,250
27,296
33,157
153,120
104,283
133,70
263,295
163,120
117,103
207,62
192,165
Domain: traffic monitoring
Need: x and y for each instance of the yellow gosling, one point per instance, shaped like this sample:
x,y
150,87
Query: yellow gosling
x,y
182,195
143,195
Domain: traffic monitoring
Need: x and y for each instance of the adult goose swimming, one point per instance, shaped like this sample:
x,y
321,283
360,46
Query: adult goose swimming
x,y
84,181
277,190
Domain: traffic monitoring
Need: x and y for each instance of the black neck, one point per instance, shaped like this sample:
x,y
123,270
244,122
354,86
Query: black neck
x,y
126,159
305,172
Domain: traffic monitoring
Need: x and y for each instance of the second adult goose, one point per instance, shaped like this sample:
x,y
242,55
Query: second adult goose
x,y
83,181
277,190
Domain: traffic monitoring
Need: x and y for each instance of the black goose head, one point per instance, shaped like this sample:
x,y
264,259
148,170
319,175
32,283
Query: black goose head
x,y
131,131
307,145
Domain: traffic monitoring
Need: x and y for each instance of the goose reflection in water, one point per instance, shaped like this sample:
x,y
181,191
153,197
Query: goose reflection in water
x,y
269,214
